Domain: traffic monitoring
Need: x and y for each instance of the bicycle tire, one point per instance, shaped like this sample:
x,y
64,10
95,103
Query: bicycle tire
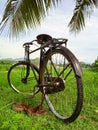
x,y
20,81
70,86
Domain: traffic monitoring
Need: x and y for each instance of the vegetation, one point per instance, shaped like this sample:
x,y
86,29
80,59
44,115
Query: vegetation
x,y
32,12
11,120
95,65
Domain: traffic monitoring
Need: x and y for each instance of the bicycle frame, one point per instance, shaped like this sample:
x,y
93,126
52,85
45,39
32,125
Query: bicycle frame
x,y
55,43
52,44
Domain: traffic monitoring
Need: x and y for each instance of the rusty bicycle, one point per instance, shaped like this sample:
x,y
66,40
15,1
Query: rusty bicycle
x,y
58,77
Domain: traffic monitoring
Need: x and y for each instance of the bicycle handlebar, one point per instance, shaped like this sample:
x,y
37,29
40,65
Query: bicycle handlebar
x,y
28,43
52,42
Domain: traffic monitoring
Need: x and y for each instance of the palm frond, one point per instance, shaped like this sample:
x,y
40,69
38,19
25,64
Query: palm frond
x,y
83,8
24,14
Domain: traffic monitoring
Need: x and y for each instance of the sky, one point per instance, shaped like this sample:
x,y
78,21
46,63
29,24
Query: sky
x,y
84,45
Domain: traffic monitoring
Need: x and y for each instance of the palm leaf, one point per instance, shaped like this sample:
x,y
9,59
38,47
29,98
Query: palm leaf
x,y
24,14
83,8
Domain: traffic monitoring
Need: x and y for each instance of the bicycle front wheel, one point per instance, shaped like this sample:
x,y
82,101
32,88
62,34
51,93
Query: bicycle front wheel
x,y
23,77
62,86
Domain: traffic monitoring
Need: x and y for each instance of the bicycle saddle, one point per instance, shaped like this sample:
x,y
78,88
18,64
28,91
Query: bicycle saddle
x,y
42,38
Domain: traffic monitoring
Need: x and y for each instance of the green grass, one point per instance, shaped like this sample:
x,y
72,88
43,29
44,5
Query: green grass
x,y
11,120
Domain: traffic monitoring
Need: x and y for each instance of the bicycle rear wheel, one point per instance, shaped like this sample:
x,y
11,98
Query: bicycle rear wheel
x,y
62,86
23,77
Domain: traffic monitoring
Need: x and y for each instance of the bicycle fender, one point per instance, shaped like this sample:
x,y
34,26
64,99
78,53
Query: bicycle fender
x,y
78,68
72,58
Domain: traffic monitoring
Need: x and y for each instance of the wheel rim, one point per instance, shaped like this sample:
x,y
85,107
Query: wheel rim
x,y
20,81
64,103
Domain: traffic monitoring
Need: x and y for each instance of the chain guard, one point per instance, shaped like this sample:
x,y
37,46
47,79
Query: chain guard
x,y
55,84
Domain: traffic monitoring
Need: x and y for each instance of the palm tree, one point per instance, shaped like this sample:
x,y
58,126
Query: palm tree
x,y
82,8
24,14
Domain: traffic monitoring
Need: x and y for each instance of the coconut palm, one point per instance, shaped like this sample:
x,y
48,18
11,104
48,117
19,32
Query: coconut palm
x,y
24,14
82,8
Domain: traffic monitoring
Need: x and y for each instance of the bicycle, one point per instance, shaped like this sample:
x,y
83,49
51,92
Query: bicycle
x,y
58,77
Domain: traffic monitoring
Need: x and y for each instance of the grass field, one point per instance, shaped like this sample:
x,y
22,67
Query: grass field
x,y
11,120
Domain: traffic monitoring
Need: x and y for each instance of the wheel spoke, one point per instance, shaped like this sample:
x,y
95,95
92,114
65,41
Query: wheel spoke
x,y
22,79
62,86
